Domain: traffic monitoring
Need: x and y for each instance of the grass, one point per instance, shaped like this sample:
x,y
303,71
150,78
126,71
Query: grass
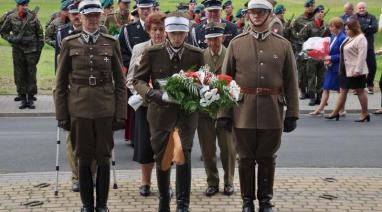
x,y
45,67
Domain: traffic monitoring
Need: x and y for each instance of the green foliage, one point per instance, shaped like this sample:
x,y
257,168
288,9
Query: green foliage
x,y
185,92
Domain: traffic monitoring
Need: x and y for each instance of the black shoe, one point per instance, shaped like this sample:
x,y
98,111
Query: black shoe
x,y
102,209
24,104
366,118
312,102
87,209
76,187
144,190
228,190
17,98
33,98
211,190
337,117
30,104
248,205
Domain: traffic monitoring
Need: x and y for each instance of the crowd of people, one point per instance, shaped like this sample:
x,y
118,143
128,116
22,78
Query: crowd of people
x,y
105,59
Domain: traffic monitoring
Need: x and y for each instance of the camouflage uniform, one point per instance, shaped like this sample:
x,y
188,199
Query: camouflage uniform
x,y
297,38
315,68
115,21
51,30
27,42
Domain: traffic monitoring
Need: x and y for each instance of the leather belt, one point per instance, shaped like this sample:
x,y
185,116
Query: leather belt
x,y
261,91
92,81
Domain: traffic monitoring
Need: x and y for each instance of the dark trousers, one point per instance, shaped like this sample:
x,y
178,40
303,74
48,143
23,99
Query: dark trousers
x,y
92,139
24,65
372,66
257,146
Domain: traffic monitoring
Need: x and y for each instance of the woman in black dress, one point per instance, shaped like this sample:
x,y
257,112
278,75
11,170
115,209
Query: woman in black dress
x,y
353,70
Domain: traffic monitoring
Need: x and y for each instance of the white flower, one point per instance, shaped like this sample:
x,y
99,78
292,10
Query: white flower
x,y
234,90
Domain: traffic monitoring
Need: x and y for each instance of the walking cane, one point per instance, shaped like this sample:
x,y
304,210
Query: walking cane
x,y
57,166
115,186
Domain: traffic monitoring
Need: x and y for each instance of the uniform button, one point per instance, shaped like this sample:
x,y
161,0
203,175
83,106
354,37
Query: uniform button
x,y
261,77
91,69
91,48
261,64
261,51
91,56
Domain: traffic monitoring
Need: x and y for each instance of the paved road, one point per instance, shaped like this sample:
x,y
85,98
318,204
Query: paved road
x,y
28,145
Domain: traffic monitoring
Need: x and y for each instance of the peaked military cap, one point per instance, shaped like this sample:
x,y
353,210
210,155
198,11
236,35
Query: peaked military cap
x,y
192,1
145,3
279,9
212,4
182,7
227,3
214,29
134,12
73,8
260,4
309,3
90,6
22,2
177,22
156,4
124,1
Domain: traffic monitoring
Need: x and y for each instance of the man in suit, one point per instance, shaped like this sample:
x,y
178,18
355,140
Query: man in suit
x,y
207,131
213,12
263,65
90,100
158,63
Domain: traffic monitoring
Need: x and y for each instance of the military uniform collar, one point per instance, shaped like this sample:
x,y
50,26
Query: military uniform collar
x,y
90,38
174,52
260,35
219,53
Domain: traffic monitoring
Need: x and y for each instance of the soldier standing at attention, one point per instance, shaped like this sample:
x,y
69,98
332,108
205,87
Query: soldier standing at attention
x,y
23,31
263,65
213,12
296,30
228,8
90,66
207,132
316,68
132,34
116,20
161,62
51,30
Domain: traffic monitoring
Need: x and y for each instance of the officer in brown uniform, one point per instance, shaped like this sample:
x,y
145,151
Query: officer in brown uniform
x,y
263,65
161,62
116,20
90,100
207,131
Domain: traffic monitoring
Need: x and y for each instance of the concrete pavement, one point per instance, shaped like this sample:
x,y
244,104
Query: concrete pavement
x,y
45,107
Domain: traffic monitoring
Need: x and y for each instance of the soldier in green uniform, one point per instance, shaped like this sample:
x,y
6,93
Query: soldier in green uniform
x,y
116,20
296,30
207,131
108,8
90,100
263,65
23,31
52,28
316,68
161,62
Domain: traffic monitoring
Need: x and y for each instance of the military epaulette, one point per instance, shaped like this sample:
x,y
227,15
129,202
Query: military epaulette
x,y
193,48
155,48
240,35
279,36
108,36
70,37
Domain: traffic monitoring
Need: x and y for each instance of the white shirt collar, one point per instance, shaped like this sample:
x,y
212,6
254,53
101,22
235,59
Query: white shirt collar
x,y
142,23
